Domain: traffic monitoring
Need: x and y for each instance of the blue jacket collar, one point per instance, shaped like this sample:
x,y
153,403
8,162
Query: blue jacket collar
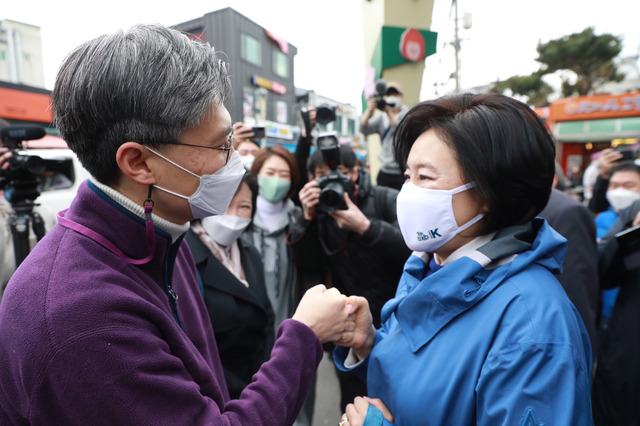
x,y
423,306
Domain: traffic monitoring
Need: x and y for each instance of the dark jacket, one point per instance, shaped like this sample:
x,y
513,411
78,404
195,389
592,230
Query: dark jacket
x,y
88,338
579,276
616,384
242,317
368,265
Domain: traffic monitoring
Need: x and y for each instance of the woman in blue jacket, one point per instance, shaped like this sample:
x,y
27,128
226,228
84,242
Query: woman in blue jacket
x,y
480,331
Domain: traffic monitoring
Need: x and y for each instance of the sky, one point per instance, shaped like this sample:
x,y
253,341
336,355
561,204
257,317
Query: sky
x,y
329,34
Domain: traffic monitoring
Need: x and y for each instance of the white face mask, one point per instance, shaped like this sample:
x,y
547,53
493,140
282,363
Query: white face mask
x,y
215,192
621,198
247,160
225,228
426,216
393,101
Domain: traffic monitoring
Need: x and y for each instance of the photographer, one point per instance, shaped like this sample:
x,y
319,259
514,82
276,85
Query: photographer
x,y
7,254
608,159
390,103
357,249
616,383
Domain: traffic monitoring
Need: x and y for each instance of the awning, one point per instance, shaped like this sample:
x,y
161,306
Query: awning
x,y
597,130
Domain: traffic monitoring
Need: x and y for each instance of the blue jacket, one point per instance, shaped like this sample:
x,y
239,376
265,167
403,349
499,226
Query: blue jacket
x,y
475,343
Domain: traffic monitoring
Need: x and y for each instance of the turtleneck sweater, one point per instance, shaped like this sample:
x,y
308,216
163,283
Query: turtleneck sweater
x,y
174,229
269,212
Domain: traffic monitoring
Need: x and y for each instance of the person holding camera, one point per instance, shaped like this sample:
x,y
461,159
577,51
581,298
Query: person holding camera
x,y
608,159
104,322
348,236
246,142
384,124
7,252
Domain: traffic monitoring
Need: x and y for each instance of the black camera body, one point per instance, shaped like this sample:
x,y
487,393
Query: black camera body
x,y
20,181
629,153
334,185
325,114
381,91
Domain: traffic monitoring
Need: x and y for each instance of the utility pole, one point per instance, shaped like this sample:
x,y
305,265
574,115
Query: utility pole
x,y
456,46
466,24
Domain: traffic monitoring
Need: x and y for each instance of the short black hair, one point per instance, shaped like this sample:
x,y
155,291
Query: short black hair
x,y
627,166
500,144
347,159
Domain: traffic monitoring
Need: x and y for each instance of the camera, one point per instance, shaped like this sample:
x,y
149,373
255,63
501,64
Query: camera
x,y
325,114
258,133
629,153
334,185
381,91
22,179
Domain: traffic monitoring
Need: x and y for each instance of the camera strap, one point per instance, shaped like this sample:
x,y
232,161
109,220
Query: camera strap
x,y
150,232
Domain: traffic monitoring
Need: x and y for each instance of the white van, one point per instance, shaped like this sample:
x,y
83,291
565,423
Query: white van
x,y
58,188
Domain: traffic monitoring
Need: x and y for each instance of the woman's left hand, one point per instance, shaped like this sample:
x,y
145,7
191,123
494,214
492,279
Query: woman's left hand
x,y
356,412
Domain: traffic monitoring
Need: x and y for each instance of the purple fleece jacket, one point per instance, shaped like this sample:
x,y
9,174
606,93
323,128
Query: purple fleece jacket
x,y
87,338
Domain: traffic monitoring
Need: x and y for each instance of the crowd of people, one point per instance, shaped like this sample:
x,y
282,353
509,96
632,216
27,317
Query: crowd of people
x,y
200,275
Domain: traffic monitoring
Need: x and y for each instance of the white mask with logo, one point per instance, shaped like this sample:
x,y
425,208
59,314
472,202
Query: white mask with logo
x,y
621,198
426,216
225,228
215,192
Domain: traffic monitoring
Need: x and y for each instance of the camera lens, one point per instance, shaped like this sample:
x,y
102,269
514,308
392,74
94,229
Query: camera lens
x,y
331,197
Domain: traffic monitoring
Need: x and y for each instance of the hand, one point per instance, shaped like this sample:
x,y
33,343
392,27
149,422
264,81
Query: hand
x,y
326,312
636,220
363,335
607,161
5,154
309,197
351,219
313,120
356,412
241,133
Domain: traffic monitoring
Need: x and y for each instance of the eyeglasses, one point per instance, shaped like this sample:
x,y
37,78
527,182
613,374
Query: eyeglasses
x,y
227,147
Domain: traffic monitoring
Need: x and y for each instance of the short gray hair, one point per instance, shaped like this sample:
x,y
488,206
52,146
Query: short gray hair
x,y
147,84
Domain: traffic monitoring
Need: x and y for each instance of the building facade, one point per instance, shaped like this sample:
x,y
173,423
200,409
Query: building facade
x,y
21,54
261,68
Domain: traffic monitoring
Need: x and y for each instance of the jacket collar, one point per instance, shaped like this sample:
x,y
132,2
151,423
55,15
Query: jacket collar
x,y
97,211
424,305
217,276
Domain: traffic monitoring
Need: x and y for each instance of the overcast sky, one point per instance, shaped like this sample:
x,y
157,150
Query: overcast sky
x,y
329,37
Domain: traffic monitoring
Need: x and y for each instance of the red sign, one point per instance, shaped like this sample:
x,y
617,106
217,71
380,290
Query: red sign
x,y
412,45
594,107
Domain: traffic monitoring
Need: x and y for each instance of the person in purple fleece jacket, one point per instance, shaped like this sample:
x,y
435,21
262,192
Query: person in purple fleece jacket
x,y
104,322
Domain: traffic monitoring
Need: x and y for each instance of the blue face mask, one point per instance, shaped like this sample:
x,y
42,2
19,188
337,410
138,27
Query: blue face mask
x,y
273,189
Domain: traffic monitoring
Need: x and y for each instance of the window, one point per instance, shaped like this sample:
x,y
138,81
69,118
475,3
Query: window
x,y
250,49
351,126
280,63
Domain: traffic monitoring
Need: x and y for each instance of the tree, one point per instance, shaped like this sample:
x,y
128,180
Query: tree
x,y
532,87
587,57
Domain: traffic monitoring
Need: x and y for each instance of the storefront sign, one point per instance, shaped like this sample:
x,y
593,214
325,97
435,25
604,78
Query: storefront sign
x,y
268,84
595,107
